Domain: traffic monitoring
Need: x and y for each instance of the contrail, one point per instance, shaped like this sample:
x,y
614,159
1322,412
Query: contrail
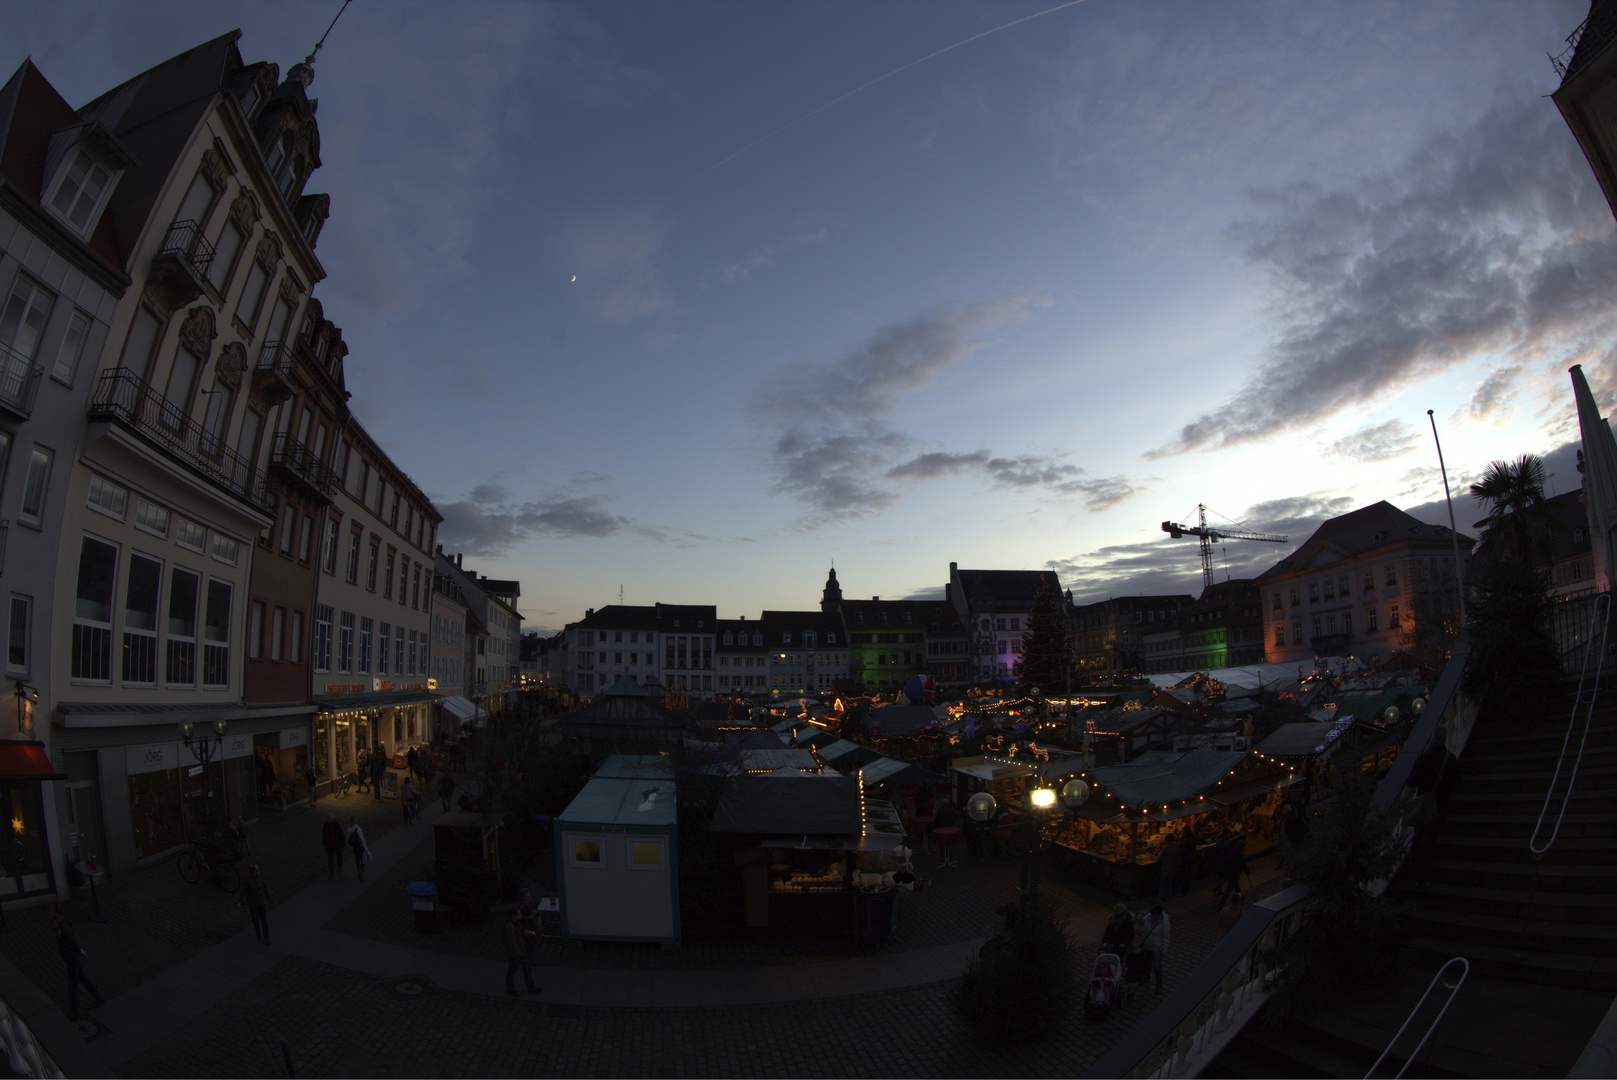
x,y
883,78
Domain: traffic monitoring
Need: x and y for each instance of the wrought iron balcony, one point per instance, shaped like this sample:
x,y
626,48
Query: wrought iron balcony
x,y
299,462
124,399
182,262
273,374
19,382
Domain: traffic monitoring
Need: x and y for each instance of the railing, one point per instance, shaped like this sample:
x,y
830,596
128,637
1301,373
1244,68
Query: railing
x,y
276,358
23,1053
127,400
1453,989
19,381
36,1040
1209,1009
184,240
301,462
1599,627
1571,620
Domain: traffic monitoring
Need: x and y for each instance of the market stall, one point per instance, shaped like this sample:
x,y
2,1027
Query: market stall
x,y
617,854
1199,797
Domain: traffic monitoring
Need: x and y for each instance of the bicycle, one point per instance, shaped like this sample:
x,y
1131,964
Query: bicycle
x,y
342,785
221,867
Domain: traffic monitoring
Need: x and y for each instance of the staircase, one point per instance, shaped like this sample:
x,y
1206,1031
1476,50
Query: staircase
x,y
1541,934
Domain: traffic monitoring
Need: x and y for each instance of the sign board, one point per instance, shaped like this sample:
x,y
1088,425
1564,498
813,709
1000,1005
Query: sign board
x,y
294,737
158,757
236,746
432,684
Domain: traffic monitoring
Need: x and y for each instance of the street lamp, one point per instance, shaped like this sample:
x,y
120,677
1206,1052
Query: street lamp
x,y
202,745
1074,793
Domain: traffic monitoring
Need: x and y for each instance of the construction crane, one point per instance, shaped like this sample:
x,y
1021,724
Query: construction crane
x,y
1209,537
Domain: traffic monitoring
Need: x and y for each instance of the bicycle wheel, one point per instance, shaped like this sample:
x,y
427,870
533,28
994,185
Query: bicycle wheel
x,y
227,876
190,869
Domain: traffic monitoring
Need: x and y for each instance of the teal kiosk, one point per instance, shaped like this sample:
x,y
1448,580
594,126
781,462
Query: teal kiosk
x,y
617,854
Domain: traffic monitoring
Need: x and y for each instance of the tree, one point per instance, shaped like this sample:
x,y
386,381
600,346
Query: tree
x,y
1517,509
1023,983
1047,653
1514,659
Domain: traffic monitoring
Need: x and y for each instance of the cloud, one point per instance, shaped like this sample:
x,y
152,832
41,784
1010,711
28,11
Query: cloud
x,y
763,258
832,430
1488,240
615,258
1374,442
1491,402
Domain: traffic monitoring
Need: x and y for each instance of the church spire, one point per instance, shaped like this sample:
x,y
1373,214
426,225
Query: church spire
x,y
831,598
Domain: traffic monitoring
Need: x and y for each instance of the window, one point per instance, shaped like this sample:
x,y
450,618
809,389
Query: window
x,y
288,524
92,613
415,588
387,575
322,637
364,480
1313,592
216,635
328,549
393,516
140,620
1318,632
1347,624
17,633
410,666
404,579
1330,589
1392,579
1342,586
80,190
1280,634
1369,620
345,642
367,627
352,571
221,401
224,256
181,669
294,644
586,852
225,549
252,295
33,490
189,534
198,201
105,496
409,521
383,633
370,564
645,854
277,633
151,517
1330,625
1297,633
255,631
1276,604
1392,617
398,650
67,357
831,637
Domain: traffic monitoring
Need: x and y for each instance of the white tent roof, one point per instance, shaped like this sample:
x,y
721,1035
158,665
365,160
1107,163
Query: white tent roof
x,y
1257,675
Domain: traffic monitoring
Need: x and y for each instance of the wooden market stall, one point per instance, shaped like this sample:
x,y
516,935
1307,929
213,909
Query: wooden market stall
x,y
617,853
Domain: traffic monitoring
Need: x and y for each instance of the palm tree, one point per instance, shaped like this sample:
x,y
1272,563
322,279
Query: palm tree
x,y
1517,508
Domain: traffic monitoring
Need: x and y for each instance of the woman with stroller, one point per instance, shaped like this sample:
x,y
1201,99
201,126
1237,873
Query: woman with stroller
x,y
1119,932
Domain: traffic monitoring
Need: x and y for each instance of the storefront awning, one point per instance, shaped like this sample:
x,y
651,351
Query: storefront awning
x,y
105,714
385,699
26,761
464,709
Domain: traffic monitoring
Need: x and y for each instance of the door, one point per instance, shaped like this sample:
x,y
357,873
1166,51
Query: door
x,y
84,822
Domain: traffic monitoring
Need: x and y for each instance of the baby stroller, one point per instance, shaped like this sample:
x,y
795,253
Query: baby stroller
x,y
1107,988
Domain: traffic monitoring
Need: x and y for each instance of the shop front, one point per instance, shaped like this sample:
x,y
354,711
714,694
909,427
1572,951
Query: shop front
x,y
349,727
25,859
281,776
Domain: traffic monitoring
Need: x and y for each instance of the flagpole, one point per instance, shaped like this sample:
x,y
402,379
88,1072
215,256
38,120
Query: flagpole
x,y
1454,534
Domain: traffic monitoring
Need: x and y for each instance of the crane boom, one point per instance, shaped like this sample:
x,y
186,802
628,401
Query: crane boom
x,y
1209,537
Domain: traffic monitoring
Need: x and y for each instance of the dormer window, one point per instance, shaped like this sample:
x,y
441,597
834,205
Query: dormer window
x,y
278,153
80,190
249,100
289,179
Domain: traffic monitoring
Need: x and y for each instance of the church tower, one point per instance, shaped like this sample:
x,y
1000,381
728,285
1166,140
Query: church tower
x,y
831,598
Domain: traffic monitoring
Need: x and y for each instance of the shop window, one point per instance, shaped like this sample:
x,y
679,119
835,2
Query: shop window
x,y
586,852
645,854
154,812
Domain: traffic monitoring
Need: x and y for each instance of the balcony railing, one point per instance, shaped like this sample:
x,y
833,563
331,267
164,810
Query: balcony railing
x,y
184,240
130,402
297,459
19,382
273,374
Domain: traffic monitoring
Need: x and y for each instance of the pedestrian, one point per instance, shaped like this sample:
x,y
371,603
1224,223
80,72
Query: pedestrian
x,y
378,770
429,768
1229,915
1167,862
255,898
1237,867
412,761
1155,936
363,772
67,943
1221,865
362,851
530,921
516,955
331,838
1119,932
408,797
446,788
1188,850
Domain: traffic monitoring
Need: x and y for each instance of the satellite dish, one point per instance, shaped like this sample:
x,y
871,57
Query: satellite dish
x,y
980,807
1074,793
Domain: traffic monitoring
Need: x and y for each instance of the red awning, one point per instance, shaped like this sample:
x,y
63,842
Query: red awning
x,y
26,761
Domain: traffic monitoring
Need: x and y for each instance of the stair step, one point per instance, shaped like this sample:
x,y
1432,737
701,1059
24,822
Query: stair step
x,y
1550,906
1568,851
1477,764
1589,781
1554,969
1590,940
1521,826
1578,878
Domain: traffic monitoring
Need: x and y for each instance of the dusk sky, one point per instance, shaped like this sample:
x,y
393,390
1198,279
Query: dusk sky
x,y
641,299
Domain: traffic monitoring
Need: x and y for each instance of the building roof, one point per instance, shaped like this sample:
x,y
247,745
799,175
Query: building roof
x,y
617,617
1366,529
805,804
775,623
1006,590
1166,776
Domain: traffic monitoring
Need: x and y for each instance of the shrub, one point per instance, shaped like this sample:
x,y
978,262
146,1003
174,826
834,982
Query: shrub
x,y
1023,984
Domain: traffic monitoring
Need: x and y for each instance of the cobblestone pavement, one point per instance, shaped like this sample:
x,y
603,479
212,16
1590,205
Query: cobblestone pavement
x,y
151,919
336,1022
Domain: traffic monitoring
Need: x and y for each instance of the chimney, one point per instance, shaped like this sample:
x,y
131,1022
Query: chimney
x,y
954,568
874,599
948,592
458,558
588,613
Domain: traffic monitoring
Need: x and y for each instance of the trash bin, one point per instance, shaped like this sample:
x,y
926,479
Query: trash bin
x,y
424,902
876,911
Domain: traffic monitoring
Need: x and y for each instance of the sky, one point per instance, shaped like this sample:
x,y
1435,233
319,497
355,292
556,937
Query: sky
x,y
689,302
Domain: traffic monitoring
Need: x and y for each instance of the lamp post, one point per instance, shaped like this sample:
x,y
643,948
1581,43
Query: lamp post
x,y
202,745
1043,801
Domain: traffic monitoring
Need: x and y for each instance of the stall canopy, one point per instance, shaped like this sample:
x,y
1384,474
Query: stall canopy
x,y
845,754
464,709
763,761
809,805
1165,776
893,771
627,790
815,737
26,761
1303,740
900,721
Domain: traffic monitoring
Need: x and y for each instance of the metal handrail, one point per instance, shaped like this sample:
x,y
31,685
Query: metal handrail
x,y
1604,625
184,240
1452,988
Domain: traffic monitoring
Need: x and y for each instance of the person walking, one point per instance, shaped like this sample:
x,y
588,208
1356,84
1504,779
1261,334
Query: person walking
x,y
530,921
410,799
1119,932
412,761
362,851
255,898
1155,936
1229,915
1188,851
446,788
363,771
67,944
331,838
1167,863
378,770
516,955
1232,873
